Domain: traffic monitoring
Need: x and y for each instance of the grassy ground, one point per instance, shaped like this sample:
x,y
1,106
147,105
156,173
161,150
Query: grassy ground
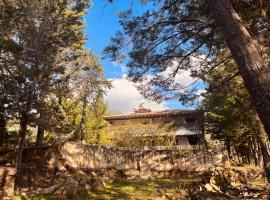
x,y
136,189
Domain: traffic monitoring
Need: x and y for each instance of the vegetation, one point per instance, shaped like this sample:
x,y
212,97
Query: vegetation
x,y
195,35
139,135
137,189
232,119
216,41
42,62
49,80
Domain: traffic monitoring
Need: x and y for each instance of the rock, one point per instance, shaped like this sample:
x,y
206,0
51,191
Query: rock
x,y
7,164
242,178
83,187
71,169
71,187
51,189
60,190
87,187
233,192
51,162
98,184
60,166
93,174
211,187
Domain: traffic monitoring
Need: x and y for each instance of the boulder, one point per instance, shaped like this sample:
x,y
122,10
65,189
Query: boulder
x,y
71,187
59,166
230,182
93,174
60,190
98,184
212,187
243,179
51,189
83,186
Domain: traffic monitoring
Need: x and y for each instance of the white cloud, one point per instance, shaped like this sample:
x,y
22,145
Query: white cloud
x,y
200,92
122,66
183,77
124,97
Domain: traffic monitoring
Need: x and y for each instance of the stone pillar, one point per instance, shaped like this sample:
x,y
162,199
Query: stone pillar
x,y
7,179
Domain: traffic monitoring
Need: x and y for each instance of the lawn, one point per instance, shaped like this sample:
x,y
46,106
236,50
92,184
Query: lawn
x,y
136,189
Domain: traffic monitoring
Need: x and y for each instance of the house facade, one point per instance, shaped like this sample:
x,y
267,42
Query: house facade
x,y
185,127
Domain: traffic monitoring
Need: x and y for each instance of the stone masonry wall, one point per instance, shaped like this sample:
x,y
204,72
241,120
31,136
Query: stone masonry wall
x,y
143,164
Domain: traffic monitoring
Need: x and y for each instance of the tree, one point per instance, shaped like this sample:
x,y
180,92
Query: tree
x,y
232,118
91,86
76,96
6,84
93,120
39,33
168,38
138,135
246,53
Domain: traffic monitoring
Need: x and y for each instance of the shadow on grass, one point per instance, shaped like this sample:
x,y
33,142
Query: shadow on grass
x,y
123,189
141,189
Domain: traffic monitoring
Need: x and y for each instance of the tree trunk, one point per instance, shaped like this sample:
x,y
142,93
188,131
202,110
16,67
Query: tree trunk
x,y
255,73
253,150
228,148
3,128
83,119
23,132
268,6
262,138
266,161
40,136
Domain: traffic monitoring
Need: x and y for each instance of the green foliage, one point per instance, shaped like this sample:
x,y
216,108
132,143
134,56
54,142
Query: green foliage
x,y
47,78
135,189
94,120
34,35
173,36
139,135
231,117
81,95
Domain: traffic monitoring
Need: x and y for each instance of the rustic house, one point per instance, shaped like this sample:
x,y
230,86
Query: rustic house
x,y
185,125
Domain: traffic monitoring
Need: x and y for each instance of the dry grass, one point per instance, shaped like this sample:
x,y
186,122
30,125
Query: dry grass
x,y
135,189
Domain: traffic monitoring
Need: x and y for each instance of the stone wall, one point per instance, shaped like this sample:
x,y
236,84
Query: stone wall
x,y
143,164
7,181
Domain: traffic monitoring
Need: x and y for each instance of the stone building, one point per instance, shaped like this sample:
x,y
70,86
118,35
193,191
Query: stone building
x,y
185,125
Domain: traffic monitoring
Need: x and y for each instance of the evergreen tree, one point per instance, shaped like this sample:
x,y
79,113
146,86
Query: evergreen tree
x,y
38,33
231,118
168,37
86,85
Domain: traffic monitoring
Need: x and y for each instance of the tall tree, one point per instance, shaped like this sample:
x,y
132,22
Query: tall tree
x,y
41,30
77,94
172,34
88,85
246,53
232,117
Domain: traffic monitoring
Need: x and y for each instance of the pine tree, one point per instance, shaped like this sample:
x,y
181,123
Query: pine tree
x,y
38,33
168,37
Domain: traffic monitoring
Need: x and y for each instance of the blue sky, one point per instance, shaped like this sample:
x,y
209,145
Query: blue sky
x,y
102,23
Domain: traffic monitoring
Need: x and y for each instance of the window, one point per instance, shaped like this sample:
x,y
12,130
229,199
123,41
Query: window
x,y
190,120
193,139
